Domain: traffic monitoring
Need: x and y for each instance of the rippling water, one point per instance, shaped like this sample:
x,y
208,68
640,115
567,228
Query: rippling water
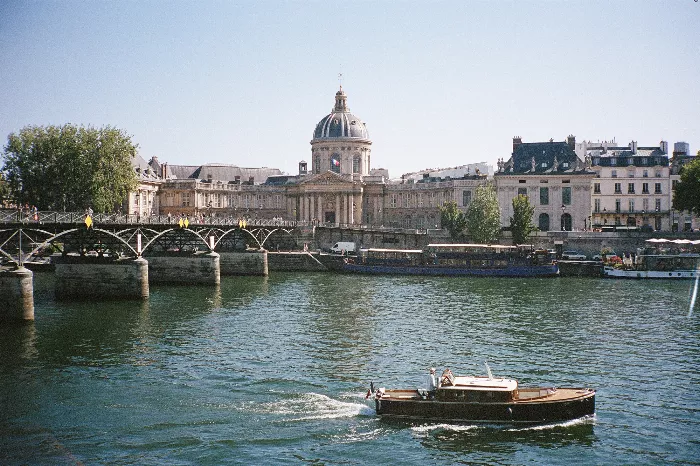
x,y
274,370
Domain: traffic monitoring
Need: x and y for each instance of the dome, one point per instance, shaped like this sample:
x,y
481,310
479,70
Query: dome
x,y
340,123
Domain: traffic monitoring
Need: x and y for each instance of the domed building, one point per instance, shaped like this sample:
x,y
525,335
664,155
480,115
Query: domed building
x,y
341,142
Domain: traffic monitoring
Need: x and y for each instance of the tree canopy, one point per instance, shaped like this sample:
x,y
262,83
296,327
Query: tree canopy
x,y
686,193
484,216
520,223
453,219
70,167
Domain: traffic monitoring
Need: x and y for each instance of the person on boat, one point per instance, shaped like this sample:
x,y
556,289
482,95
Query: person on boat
x,y
432,382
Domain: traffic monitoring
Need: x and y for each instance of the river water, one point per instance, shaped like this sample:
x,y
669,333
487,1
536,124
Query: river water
x,y
274,371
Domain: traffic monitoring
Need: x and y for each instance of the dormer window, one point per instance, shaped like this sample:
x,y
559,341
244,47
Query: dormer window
x,y
544,164
565,164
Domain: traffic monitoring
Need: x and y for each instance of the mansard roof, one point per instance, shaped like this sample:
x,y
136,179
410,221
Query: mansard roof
x,y
544,158
622,156
222,172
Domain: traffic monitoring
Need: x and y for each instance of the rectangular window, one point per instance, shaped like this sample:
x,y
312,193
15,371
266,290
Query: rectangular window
x,y
614,174
596,204
658,205
645,205
522,192
596,188
185,199
658,174
645,188
617,205
657,188
631,205
466,198
613,162
646,173
566,195
393,201
544,196
630,188
618,188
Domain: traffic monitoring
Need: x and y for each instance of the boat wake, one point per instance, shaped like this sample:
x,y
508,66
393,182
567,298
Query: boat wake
x,y
310,406
427,428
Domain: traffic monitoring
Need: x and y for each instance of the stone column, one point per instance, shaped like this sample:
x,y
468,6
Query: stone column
x,y
16,295
348,206
312,208
337,209
307,206
320,207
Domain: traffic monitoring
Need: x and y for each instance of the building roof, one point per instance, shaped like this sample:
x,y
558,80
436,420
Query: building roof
x,y
544,158
622,156
340,123
222,172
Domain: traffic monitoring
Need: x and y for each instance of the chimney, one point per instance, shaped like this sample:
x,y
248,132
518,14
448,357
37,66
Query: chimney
x,y
571,141
633,146
517,140
663,145
237,179
251,180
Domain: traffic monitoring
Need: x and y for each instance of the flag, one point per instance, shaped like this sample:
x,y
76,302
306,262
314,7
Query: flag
x,y
335,162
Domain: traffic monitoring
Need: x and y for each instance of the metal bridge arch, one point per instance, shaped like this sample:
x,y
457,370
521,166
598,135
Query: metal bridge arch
x,y
175,239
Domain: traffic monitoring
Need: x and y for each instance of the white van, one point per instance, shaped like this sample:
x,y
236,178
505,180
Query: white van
x,y
347,247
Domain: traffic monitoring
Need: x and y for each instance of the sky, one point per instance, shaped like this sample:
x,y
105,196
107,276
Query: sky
x,y
439,84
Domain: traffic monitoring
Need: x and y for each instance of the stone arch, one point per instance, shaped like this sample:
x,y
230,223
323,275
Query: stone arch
x,y
543,222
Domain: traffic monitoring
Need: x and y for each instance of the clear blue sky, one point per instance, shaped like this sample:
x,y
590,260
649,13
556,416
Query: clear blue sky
x,y
439,84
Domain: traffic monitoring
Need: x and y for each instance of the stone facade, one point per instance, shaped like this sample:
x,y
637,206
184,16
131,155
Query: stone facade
x,y
556,182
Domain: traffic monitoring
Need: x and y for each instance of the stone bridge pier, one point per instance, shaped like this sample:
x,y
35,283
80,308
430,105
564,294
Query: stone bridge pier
x,y
96,278
16,295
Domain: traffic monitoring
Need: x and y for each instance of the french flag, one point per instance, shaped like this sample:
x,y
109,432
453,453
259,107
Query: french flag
x,y
336,162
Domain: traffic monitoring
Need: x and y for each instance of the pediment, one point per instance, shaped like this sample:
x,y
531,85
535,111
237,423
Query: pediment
x,y
325,179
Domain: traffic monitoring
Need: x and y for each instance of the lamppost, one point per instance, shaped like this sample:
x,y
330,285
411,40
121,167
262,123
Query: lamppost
x,y
563,211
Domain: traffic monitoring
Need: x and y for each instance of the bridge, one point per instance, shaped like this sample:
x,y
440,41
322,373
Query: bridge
x,y
26,235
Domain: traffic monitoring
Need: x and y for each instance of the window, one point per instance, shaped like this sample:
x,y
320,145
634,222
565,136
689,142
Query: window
x,y
630,161
617,205
466,198
657,174
618,188
657,188
631,205
543,222
630,174
522,192
613,162
645,188
335,163
630,188
674,183
393,200
646,173
566,195
658,205
356,164
645,205
614,174
544,196
596,205
596,188
185,199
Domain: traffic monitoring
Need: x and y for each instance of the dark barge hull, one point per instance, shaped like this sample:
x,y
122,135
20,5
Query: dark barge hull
x,y
507,412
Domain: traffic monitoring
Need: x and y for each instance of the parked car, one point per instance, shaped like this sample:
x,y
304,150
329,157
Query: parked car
x,y
573,256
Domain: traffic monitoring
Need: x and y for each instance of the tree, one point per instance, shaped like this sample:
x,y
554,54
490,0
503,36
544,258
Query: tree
x,y
453,219
520,223
484,216
70,168
686,193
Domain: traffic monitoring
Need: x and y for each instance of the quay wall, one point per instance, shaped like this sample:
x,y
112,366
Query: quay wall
x,y
87,278
185,269
244,263
295,261
16,295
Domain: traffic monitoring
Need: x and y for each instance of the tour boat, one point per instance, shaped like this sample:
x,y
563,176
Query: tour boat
x,y
663,258
455,259
484,399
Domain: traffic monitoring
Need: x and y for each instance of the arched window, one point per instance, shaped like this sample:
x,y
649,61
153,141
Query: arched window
x,y
335,163
356,164
566,222
544,222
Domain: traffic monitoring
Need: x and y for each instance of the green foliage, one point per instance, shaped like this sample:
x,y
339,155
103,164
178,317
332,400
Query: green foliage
x,y
686,193
484,216
453,219
70,168
520,222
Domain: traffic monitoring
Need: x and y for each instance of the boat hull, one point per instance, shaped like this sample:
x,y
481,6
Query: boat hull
x,y
507,412
515,271
612,272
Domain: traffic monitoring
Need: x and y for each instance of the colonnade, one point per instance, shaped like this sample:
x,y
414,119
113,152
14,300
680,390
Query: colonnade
x,y
348,207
